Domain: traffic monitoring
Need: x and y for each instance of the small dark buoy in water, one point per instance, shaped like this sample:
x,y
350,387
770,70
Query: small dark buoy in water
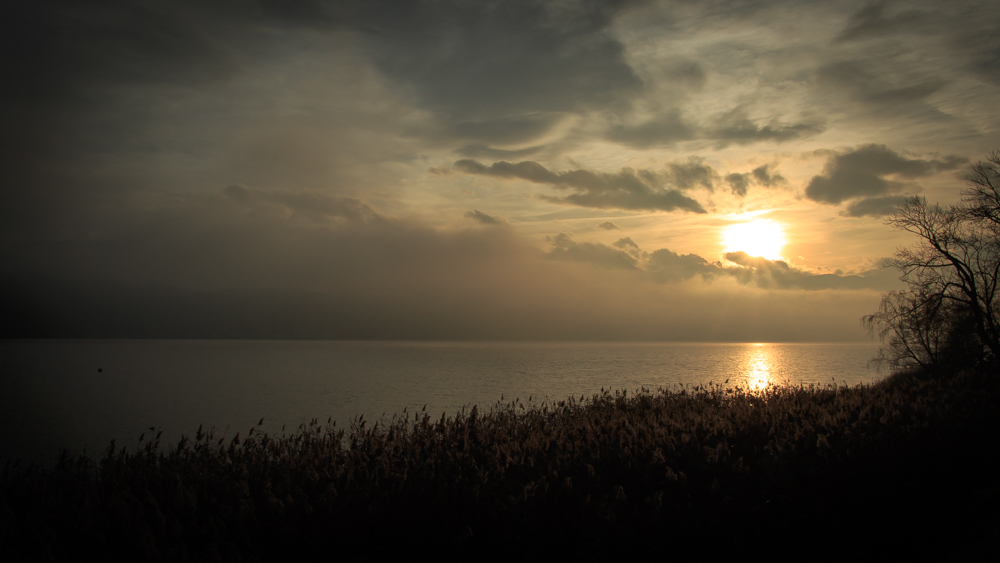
x,y
99,370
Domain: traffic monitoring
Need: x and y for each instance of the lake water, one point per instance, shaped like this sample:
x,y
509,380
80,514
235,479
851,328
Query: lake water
x,y
80,395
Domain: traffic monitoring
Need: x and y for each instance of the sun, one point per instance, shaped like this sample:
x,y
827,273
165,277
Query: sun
x,y
760,237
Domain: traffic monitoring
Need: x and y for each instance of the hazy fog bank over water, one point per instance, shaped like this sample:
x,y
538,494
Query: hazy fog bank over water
x,y
82,394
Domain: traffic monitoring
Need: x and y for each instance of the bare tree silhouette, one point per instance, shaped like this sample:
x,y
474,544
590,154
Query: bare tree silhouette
x,y
948,313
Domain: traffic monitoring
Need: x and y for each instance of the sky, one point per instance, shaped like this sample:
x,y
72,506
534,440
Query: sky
x,y
558,170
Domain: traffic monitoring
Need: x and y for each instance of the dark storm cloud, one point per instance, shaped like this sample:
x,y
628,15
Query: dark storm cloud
x,y
488,75
66,64
609,226
484,218
58,49
466,60
627,189
867,171
88,81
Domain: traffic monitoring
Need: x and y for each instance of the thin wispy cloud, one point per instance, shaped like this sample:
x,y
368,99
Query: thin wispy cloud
x,y
626,189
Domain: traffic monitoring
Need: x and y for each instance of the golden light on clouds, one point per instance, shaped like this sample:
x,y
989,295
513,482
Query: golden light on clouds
x,y
354,183
759,237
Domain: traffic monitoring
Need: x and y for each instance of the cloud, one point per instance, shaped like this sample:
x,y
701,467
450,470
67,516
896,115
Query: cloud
x,y
627,189
306,203
480,150
628,246
307,13
625,242
65,48
853,79
736,127
874,206
987,65
470,61
871,21
622,192
565,248
870,171
778,274
764,177
239,263
661,131
526,170
124,121
609,226
665,266
738,183
688,174
484,219
503,131
690,74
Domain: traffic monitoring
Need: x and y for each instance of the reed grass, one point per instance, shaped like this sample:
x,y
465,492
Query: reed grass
x,y
843,470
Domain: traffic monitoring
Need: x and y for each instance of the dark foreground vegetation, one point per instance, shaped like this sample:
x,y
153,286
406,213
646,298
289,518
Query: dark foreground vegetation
x,y
906,466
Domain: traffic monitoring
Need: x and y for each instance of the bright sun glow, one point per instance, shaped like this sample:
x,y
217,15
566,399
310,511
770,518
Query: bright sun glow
x,y
760,237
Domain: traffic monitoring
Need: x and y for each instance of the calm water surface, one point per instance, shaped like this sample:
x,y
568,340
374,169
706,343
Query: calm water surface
x,y
54,396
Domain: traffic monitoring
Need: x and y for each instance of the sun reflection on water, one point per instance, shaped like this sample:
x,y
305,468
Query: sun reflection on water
x,y
757,367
